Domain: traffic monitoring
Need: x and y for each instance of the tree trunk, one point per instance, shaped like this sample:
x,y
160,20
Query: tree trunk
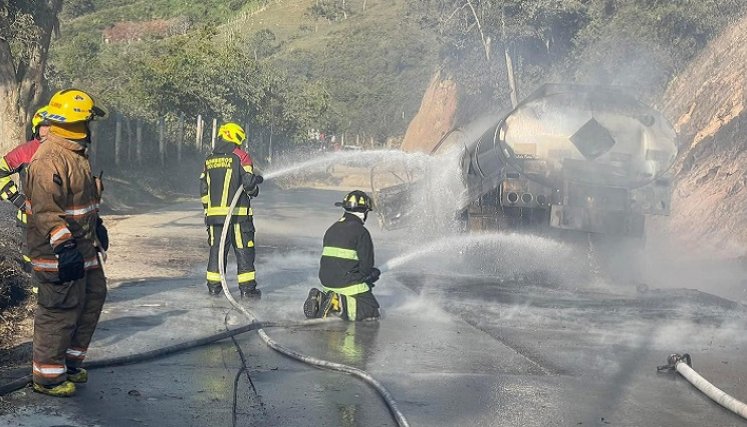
x,y
22,80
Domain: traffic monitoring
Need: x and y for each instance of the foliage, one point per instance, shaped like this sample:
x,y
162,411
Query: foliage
x,y
640,43
26,28
332,10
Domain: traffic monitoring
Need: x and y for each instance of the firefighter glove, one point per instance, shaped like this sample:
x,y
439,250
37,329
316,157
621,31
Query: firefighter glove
x,y
102,234
69,262
252,181
373,276
19,201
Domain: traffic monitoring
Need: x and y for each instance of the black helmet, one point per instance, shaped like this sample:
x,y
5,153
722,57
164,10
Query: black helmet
x,y
356,201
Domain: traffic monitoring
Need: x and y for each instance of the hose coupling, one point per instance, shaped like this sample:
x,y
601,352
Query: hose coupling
x,y
673,360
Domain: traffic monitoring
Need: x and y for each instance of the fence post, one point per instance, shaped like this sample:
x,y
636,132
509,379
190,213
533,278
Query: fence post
x,y
212,135
129,141
180,138
161,145
117,139
139,143
198,142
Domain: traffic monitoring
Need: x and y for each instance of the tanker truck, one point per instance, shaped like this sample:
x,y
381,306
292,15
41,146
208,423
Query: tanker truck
x,y
577,158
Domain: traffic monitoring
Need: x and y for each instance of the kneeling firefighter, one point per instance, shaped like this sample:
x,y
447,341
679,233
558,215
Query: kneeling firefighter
x,y
347,269
229,169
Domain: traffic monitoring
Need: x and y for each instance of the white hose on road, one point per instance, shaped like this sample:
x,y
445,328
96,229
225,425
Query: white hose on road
x,y
682,365
365,376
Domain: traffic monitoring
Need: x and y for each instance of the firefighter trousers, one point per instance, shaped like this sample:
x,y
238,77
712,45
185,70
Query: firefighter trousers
x,y
241,238
65,319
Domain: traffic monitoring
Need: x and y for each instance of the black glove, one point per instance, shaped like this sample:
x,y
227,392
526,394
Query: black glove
x,y
253,181
373,275
69,262
19,201
103,234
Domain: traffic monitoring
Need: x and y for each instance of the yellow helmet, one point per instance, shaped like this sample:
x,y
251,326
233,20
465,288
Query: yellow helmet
x,y
232,132
72,106
38,118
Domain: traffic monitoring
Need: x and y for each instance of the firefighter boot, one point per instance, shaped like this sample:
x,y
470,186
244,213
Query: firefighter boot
x,y
250,290
214,289
77,375
330,305
313,303
63,389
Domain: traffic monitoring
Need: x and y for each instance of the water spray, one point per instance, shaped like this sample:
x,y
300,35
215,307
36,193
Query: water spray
x,y
319,363
360,157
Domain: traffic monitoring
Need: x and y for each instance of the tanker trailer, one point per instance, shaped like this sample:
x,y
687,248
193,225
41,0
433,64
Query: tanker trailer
x,y
582,158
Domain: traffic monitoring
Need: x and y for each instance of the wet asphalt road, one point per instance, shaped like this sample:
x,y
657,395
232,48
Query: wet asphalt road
x,y
459,344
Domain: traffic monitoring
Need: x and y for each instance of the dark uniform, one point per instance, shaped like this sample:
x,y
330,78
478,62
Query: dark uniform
x,y
347,264
227,169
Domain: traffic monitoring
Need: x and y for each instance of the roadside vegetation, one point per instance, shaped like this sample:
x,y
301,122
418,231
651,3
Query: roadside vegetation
x,y
355,67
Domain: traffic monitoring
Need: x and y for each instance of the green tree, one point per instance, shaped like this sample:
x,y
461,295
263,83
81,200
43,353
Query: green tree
x,y
26,28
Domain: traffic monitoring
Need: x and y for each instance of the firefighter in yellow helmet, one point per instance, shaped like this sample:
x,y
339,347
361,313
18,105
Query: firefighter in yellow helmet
x,y
65,235
229,169
17,161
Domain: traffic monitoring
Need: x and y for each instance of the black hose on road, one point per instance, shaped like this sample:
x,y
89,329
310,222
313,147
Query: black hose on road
x,y
160,352
399,417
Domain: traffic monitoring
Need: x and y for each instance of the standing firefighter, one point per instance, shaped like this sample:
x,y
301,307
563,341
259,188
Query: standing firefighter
x,y
64,235
17,161
229,169
347,269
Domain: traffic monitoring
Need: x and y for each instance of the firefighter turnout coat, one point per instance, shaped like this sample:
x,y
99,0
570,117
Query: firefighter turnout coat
x,y
347,259
63,205
16,161
226,170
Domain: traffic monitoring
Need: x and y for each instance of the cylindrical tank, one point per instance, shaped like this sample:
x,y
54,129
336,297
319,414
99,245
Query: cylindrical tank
x,y
590,135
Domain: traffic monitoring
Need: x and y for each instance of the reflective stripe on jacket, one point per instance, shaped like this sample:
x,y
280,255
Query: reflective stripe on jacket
x,y
16,161
225,171
63,201
347,256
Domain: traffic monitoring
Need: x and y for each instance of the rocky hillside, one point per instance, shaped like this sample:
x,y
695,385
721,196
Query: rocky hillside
x,y
706,103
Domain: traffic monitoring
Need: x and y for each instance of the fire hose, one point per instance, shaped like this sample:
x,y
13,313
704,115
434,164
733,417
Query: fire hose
x,y
683,365
319,363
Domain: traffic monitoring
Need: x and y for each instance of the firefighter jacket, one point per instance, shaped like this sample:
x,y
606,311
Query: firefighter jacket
x,y
226,170
347,257
16,161
63,204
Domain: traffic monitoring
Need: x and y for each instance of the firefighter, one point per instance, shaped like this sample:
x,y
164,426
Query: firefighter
x,y
65,235
347,269
226,170
17,161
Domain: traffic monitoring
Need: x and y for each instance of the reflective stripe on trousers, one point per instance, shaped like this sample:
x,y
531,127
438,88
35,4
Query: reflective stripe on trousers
x,y
349,292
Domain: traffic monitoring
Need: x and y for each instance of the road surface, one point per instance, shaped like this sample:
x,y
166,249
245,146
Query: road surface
x,y
468,336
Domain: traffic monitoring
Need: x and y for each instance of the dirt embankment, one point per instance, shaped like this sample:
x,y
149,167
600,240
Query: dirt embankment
x,y
706,103
436,116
